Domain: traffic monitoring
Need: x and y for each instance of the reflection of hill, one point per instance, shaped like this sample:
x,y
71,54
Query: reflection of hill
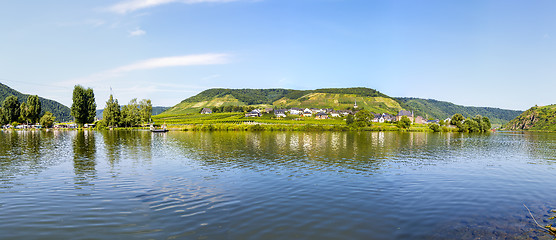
x,y
327,151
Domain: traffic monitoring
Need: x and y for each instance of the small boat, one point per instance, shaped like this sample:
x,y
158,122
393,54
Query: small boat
x,y
159,130
163,129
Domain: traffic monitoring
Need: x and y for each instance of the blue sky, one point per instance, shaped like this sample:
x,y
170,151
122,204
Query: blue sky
x,y
476,53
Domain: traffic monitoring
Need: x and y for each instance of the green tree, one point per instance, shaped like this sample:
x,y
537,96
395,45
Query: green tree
x,y
146,109
486,124
23,112
470,125
3,119
363,118
457,118
11,109
349,119
111,114
47,120
84,107
130,114
434,127
34,108
404,122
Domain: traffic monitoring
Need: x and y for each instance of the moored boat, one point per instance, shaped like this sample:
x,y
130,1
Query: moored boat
x,y
163,129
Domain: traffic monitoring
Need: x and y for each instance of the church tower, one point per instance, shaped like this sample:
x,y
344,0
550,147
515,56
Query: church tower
x,y
355,105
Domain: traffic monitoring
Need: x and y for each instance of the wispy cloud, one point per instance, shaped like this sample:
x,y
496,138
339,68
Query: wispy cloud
x,y
187,60
137,32
134,5
154,63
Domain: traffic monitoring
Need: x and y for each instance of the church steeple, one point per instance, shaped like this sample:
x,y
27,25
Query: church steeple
x,y
355,105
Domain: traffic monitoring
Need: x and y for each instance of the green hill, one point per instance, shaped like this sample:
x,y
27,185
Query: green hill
x,y
61,112
338,98
430,108
536,118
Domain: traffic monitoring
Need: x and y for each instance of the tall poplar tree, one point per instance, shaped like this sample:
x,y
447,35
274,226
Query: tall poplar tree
x,y
33,108
11,109
24,112
111,113
84,107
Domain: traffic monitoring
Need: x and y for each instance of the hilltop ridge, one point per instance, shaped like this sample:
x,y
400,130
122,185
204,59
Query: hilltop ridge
x,y
370,99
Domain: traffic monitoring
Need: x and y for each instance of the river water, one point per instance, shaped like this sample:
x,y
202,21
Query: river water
x,y
275,185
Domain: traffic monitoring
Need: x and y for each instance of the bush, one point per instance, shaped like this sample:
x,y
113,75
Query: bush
x,y
435,127
404,123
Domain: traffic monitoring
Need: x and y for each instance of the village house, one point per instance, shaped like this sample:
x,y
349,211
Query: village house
x,y
321,115
296,111
307,113
388,117
268,110
345,112
404,113
206,111
316,110
280,113
335,114
254,113
420,120
378,118
433,121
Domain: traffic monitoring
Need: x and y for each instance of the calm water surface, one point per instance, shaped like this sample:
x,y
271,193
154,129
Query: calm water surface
x,y
274,185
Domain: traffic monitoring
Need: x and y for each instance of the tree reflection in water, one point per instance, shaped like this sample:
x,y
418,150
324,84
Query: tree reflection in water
x,y
84,163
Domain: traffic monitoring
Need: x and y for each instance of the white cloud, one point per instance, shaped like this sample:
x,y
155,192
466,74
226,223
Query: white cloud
x,y
134,5
154,63
137,32
187,60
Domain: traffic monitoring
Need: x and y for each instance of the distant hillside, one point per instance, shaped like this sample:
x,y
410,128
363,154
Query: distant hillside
x,y
61,112
155,111
430,108
536,118
338,98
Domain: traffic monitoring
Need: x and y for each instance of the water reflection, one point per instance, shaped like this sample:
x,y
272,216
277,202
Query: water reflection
x,y
265,185
24,152
84,163
327,151
136,145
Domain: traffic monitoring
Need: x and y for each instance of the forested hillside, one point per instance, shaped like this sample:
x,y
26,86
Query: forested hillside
x,y
430,108
61,112
536,118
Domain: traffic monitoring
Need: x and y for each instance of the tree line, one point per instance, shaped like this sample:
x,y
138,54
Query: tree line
x,y
83,110
129,115
29,112
478,123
